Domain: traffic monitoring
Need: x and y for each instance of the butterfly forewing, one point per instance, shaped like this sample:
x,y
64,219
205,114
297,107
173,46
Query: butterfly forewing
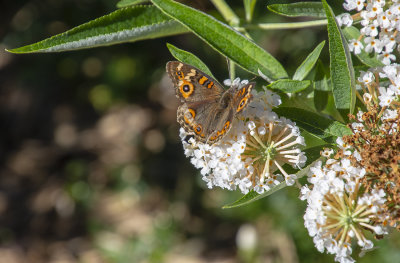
x,y
192,85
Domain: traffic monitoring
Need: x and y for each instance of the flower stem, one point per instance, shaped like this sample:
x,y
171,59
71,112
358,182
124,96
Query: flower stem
x,y
226,12
276,26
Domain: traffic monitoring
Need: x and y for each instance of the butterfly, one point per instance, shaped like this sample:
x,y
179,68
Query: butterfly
x,y
207,109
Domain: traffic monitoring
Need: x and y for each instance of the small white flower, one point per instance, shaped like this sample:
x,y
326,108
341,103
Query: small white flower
x,y
345,19
383,20
327,152
360,4
372,44
389,71
366,77
387,58
350,5
370,29
355,46
389,115
374,9
386,97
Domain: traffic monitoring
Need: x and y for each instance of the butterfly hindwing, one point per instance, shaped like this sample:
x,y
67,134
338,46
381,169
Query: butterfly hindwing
x,y
242,97
197,118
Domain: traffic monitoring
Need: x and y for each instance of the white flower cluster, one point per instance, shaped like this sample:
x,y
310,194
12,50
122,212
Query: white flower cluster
x,y
239,160
388,91
337,212
380,24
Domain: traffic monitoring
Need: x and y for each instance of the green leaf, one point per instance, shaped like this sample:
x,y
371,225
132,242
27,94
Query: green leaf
x,y
369,59
320,99
249,8
289,86
125,3
321,77
307,65
312,9
254,196
321,87
312,155
324,128
224,39
189,58
342,73
128,24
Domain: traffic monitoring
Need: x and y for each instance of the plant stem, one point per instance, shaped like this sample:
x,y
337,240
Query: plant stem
x,y
226,12
232,72
275,26
249,9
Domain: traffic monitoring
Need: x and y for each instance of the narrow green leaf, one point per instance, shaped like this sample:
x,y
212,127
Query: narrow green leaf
x,y
312,155
128,24
224,39
307,65
320,99
125,3
289,86
321,87
254,196
249,9
324,128
369,59
321,77
342,73
312,9
189,58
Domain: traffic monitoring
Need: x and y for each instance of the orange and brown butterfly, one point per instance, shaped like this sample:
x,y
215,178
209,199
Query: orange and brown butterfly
x,y
207,109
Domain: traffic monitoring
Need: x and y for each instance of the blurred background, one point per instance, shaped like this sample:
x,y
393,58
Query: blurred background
x,y
91,165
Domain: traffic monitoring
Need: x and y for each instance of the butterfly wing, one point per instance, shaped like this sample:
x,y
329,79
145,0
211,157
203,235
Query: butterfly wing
x,y
231,103
196,118
193,85
242,97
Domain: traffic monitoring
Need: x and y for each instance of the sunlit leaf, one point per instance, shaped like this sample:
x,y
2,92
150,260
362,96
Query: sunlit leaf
x,y
341,66
124,25
289,86
312,9
324,128
307,65
125,3
189,58
224,39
